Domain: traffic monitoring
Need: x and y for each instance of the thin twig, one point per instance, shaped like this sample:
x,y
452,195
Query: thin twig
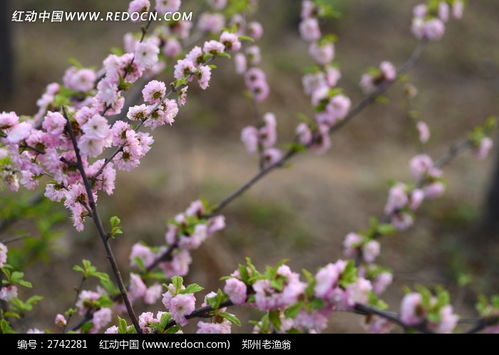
x,y
100,229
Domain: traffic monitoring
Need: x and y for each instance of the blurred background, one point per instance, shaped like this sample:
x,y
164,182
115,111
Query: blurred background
x,y
301,212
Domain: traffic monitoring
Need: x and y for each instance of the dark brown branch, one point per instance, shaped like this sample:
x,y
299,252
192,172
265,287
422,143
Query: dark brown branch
x,y
100,229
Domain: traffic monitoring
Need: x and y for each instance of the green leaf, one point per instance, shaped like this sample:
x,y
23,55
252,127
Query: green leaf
x,y
349,275
173,329
275,319
386,229
292,311
85,328
115,226
5,327
140,264
243,272
165,319
74,62
192,288
231,318
121,325
177,282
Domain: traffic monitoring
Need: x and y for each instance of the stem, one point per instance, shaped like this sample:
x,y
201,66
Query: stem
x,y
78,291
416,54
100,229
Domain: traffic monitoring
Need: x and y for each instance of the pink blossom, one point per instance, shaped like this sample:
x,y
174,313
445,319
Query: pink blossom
x,y
60,321
397,198
370,251
448,320
483,149
8,120
338,107
154,91
458,9
230,41
138,6
416,198
107,92
388,70
309,29
260,90
111,330
137,287
19,132
381,282
172,48
164,6
249,137
183,68
351,243
332,76
218,4
204,76
79,79
96,127
54,123
322,142
271,156
424,131
255,30
322,53
180,306
195,55
253,76
100,319
434,190
214,328
213,47
307,8
420,10
179,265
313,82
303,133
152,294
146,54
411,311
402,221
420,165
240,63
377,325
310,322
253,55
236,290
432,29
142,252
358,292
3,254
138,113
443,11
327,278
90,146
211,22
145,320
86,300
8,292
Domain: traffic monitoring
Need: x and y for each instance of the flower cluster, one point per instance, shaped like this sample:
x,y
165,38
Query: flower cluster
x,y
263,139
320,83
429,19
187,231
376,76
430,311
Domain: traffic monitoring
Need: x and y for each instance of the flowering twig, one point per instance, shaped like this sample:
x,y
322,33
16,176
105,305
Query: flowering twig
x,y
100,229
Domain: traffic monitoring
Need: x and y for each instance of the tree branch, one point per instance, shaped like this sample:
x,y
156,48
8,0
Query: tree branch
x,y
100,229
